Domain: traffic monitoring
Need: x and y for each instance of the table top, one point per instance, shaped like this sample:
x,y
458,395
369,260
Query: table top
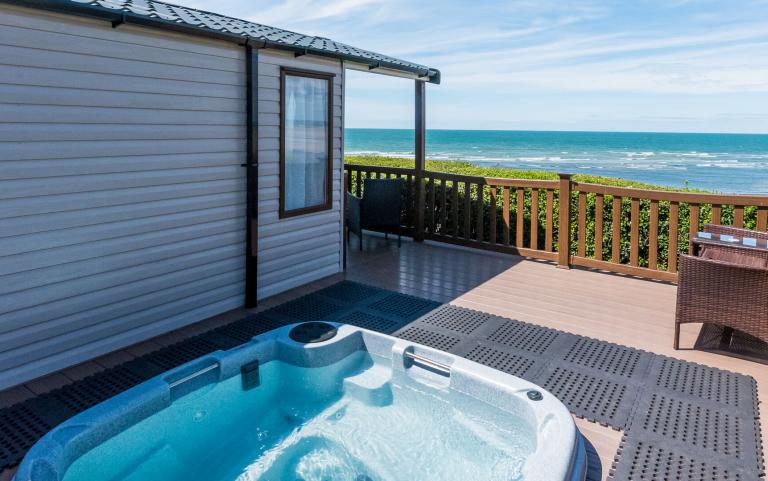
x,y
706,238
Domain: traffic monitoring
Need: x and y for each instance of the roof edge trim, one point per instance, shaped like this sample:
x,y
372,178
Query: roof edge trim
x,y
122,17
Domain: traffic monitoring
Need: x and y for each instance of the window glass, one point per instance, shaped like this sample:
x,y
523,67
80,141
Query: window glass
x,y
306,150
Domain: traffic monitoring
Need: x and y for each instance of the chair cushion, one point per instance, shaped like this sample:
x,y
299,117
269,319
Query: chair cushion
x,y
733,256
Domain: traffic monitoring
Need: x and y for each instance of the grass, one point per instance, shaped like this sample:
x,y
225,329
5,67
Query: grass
x,y
467,168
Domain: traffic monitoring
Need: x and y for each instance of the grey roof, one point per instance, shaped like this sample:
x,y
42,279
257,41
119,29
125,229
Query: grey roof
x,y
151,12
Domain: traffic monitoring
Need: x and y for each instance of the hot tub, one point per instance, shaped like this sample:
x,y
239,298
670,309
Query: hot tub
x,y
351,405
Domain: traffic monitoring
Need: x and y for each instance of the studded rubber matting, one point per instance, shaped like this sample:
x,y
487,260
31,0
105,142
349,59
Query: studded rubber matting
x,y
681,421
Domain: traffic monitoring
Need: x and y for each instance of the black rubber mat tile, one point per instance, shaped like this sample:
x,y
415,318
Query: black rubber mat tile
x,y
524,337
20,427
311,307
515,364
83,395
408,308
246,329
49,410
220,339
607,358
643,459
429,338
703,429
349,292
595,398
704,383
458,319
371,322
92,390
181,352
142,368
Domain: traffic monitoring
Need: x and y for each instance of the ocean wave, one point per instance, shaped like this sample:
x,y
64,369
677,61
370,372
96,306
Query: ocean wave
x,y
738,165
698,155
640,154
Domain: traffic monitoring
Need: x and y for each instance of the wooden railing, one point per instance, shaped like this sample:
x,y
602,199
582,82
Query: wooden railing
x,y
618,229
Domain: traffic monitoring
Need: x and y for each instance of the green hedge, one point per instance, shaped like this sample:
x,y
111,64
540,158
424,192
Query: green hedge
x,y
466,168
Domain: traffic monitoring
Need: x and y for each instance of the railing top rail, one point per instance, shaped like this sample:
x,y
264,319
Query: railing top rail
x,y
630,192
496,181
673,196
472,179
379,169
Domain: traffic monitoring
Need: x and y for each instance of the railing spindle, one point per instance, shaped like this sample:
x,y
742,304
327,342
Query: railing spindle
x,y
431,204
480,212
616,230
359,186
762,218
534,219
717,214
520,217
564,222
581,248
492,216
599,226
505,214
693,222
455,209
549,221
634,235
467,210
443,206
674,212
653,236
738,216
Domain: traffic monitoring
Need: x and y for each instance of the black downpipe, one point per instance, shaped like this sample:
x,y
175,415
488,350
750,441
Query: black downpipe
x,y
251,173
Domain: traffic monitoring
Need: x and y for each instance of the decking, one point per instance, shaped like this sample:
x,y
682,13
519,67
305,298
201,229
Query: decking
x,y
624,310
610,307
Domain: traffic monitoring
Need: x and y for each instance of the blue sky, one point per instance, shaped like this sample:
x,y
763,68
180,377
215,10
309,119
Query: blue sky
x,y
662,65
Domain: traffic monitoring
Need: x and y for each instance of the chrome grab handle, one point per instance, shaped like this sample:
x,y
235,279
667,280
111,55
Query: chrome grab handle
x,y
195,374
439,366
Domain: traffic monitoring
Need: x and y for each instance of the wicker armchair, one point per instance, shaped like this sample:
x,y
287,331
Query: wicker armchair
x,y
380,208
725,293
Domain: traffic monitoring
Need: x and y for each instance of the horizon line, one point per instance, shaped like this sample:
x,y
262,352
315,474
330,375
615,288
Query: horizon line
x,y
570,131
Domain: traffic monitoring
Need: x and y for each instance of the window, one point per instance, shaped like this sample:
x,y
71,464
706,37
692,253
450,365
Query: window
x,y
306,126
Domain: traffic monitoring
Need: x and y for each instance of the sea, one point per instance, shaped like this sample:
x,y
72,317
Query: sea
x,y
728,163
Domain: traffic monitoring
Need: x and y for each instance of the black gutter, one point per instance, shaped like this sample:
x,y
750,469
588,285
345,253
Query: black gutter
x,y
251,173
119,17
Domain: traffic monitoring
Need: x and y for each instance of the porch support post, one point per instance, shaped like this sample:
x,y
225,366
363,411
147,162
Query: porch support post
x,y
251,173
420,155
564,223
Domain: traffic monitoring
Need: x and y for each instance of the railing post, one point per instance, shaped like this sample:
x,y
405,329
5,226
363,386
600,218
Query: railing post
x,y
564,223
420,155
